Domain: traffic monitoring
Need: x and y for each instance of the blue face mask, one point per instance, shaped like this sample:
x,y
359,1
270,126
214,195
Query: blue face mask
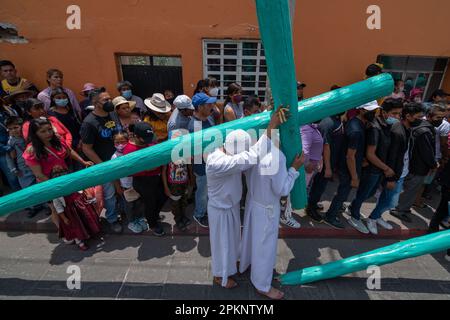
x,y
127,94
392,121
62,102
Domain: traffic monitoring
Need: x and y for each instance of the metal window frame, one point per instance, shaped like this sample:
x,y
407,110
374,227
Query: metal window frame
x,y
239,57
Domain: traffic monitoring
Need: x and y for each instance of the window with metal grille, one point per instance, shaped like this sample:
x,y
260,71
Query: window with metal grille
x,y
426,73
240,61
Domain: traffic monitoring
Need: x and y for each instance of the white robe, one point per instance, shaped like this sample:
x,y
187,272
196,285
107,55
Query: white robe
x,y
262,216
224,176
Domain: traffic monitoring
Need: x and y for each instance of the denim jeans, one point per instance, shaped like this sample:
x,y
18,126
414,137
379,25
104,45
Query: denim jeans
x,y
109,197
341,196
12,179
201,197
368,186
388,200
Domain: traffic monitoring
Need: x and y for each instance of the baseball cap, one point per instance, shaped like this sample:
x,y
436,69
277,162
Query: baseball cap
x,y
201,99
300,85
183,102
144,131
371,106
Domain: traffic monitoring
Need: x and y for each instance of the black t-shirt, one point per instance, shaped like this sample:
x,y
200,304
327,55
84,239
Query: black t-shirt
x,y
355,138
99,131
332,130
71,123
379,135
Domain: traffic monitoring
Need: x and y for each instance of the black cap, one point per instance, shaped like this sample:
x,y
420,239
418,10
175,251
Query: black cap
x,y
300,85
144,131
374,70
440,93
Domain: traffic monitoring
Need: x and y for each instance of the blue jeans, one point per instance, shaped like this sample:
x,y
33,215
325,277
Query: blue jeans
x,y
201,197
388,200
341,196
109,196
12,179
368,186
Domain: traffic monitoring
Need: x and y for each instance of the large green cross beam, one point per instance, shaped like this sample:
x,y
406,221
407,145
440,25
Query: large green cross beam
x,y
275,28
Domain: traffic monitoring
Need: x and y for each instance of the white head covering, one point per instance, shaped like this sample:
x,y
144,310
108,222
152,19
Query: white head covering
x,y
237,142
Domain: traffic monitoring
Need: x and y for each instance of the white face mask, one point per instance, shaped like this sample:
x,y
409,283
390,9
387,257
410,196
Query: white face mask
x,y
214,92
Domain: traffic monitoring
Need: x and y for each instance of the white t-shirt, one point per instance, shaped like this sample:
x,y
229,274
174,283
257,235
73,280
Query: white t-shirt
x,y
126,182
441,131
405,164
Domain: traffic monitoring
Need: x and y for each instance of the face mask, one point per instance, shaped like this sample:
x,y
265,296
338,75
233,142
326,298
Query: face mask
x,y
369,116
392,121
108,106
61,102
127,94
214,92
437,123
415,123
237,99
418,100
401,89
120,147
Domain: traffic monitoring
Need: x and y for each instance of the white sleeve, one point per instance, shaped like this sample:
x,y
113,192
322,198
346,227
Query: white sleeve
x,y
59,205
283,182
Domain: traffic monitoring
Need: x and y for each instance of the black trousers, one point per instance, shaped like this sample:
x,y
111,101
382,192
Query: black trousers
x,y
152,194
441,212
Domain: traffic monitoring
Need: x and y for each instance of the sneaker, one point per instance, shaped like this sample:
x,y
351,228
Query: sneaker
x,y
135,227
447,257
290,222
68,242
83,246
372,226
383,223
203,221
403,216
314,215
181,226
158,230
335,223
320,207
116,227
187,222
358,225
143,223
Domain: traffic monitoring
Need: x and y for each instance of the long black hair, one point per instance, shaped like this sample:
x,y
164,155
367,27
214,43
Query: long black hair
x,y
30,103
232,89
38,146
58,91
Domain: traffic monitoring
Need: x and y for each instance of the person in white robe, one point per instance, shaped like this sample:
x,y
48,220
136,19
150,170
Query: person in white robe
x,y
267,182
224,169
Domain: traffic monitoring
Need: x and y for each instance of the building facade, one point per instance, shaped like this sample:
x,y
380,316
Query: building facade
x,y
172,44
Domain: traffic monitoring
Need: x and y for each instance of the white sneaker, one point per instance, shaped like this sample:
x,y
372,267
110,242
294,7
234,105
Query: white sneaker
x,y
372,226
290,222
358,225
447,257
386,225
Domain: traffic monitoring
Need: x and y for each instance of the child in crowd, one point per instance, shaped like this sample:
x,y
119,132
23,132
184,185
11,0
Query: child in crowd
x,y
16,163
176,177
78,220
133,205
148,184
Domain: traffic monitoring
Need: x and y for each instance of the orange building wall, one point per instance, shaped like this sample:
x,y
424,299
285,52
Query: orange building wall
x,y
332,42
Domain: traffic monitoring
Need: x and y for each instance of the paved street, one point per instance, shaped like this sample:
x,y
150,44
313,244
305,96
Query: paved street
x,y
34,266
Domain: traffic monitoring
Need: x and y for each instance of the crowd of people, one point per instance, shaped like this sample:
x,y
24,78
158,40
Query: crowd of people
x,y
396,148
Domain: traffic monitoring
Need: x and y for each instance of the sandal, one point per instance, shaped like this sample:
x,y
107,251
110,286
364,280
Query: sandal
x,y
231,284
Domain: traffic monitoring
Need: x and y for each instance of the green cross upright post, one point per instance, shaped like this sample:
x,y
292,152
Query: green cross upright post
x,y
275,27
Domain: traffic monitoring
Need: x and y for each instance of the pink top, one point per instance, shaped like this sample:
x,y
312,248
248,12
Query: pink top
x,y
55,159
312,142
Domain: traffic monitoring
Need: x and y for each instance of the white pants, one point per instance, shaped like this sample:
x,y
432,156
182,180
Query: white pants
x,y
225,238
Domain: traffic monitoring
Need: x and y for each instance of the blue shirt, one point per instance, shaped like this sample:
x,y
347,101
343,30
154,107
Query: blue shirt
x,y
196,125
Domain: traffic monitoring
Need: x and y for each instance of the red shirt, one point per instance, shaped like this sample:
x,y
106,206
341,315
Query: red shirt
x,y
58,127
54,160
129,148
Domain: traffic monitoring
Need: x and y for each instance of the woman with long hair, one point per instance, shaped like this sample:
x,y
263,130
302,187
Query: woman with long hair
x,y
233,103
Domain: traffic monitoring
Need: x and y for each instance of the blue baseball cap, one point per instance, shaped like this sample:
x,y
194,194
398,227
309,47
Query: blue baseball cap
x,y
201,99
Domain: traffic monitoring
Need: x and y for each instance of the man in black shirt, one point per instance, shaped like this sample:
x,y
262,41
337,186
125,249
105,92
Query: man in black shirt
x,y
97,132
378,146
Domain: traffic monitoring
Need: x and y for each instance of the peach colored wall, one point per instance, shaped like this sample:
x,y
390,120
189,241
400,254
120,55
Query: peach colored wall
x,y
332,42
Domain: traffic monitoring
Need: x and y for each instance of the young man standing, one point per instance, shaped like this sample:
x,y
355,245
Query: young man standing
x,y
11,82
354,147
